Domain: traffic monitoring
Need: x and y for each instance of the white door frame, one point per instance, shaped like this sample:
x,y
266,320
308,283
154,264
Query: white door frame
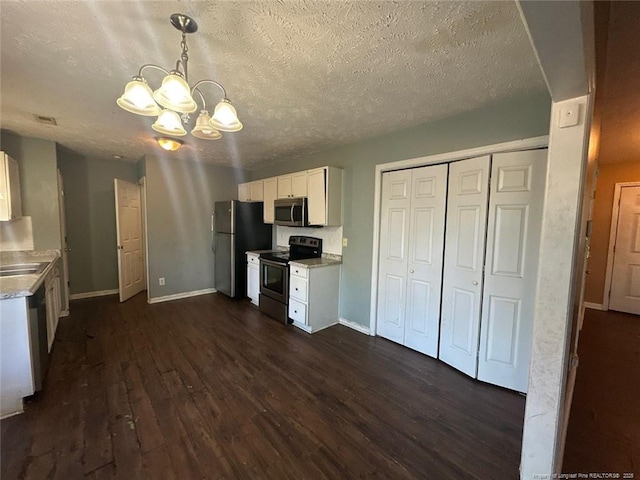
x,y
613,233
145,238
516,145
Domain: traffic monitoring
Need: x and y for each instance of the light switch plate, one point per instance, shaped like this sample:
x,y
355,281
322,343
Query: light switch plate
x,y
345,242
569,115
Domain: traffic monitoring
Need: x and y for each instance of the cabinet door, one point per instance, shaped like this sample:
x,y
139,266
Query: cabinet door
x,y
513,240
50,302
464,259
299,184
270,194
317,196
10,199
253,283
256,191
285,186
244,192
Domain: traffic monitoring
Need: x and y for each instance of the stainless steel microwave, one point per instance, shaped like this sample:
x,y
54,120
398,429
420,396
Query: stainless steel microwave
x,y
291,212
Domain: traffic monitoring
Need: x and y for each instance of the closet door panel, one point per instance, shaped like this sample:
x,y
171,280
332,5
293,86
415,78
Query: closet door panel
x,y
393,263
463,263
426,245
513,238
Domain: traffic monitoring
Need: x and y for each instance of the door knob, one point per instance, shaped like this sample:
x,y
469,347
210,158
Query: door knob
x,y
411,271
475,283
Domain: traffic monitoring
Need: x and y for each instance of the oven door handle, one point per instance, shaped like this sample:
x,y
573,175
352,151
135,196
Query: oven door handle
x,y
274,264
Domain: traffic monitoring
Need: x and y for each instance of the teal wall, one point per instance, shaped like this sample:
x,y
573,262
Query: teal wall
x,y
38,185
91,218
501,122
180,199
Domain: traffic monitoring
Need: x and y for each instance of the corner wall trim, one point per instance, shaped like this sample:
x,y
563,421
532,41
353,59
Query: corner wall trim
x,y
97,293
356,326
178,296
594,306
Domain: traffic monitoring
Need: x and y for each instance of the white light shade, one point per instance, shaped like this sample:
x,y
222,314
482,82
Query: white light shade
x,y
174,93
169,123
225,118
203,129
138,98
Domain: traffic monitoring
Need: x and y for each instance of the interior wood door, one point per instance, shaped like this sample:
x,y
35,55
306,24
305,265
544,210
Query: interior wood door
x,y
625,276
513,241
394,243
425,257
129,238
466,224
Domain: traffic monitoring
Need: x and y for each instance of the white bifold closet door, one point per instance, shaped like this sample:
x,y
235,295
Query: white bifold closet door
x,y
513,243
411,256
463,263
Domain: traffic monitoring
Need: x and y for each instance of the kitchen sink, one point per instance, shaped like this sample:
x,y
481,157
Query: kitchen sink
x,y
22,269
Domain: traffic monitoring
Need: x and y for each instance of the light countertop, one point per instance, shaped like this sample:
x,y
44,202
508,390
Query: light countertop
x,y
323,261
25,285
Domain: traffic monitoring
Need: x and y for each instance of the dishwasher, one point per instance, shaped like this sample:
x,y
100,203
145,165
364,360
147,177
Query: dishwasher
x,y
39,344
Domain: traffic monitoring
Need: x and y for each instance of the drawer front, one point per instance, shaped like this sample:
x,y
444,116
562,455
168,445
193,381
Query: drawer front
x,y
298,288
299,271
298,311
253,259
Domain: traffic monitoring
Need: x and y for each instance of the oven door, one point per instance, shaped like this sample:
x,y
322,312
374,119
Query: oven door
x,y
274,280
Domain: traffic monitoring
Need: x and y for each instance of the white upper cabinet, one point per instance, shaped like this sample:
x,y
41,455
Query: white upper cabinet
x,y
292,185
244,192
322,187
10,200
251,191
324,196
270,194
299,184
285,186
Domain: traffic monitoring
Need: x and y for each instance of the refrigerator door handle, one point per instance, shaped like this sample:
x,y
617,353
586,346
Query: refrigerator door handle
x,y
214,238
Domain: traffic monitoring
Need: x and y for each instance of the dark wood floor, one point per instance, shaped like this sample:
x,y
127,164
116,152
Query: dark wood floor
x,y
210,388
604,424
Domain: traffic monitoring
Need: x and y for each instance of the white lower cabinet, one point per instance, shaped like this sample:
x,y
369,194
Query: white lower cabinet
x,y
313,296
253,277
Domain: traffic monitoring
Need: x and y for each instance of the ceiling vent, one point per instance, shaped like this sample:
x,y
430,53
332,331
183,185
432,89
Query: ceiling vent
x,y
45,120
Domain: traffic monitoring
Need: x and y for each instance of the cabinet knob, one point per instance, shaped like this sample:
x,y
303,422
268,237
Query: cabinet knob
x,y
295,311
296,289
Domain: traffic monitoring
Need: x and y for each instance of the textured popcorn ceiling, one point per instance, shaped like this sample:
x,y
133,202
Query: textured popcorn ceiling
x,y
304,75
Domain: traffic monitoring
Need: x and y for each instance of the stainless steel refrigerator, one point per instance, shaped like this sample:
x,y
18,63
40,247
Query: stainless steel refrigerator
x,y
237,227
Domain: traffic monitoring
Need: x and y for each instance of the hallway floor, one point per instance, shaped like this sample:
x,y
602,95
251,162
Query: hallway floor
x,y
604,426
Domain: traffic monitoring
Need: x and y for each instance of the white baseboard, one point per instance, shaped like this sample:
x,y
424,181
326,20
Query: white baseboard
x,y
594,306
355,326
98,293
178,296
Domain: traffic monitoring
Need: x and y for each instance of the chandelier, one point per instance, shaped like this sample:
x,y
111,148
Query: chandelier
x,y
174,100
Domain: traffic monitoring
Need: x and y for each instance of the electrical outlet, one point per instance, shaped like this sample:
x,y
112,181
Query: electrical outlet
x,y
345,242
161,280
